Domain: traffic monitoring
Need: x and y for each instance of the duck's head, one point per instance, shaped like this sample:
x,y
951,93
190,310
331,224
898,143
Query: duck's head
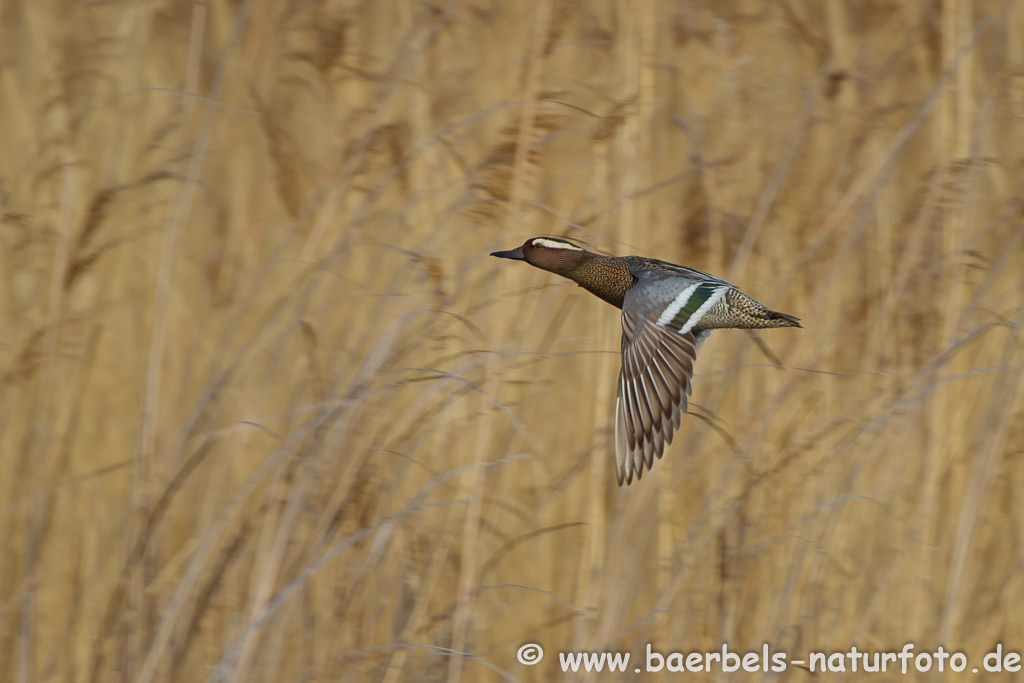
x,y
548,253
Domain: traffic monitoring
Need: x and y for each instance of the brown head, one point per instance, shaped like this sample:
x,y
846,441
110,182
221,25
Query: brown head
x,y
606,276
548,253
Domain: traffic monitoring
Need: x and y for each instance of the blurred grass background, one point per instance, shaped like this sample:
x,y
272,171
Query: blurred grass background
x,y
268,412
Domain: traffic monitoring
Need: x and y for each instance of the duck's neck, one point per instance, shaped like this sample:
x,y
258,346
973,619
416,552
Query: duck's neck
x,y
606,277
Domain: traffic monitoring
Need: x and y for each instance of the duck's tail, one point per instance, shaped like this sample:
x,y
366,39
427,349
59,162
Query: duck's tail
x,y
782,319
739,310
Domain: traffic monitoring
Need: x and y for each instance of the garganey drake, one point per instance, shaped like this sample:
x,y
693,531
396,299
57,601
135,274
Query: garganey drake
x,y
667,311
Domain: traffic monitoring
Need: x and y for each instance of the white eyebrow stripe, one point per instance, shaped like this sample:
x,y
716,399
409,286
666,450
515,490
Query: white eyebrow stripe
x,y
673,308
552,244
704,308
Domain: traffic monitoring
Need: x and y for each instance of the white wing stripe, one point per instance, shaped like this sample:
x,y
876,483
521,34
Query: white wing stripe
x,y
704,308
677,305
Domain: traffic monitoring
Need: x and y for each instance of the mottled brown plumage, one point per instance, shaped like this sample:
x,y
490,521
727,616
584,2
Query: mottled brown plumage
x,y
667,311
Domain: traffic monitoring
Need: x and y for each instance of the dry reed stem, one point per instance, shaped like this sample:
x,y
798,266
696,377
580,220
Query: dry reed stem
x,y
461,620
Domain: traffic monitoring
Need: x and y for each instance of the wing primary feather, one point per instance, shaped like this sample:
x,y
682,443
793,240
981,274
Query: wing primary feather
x,y
657,394
634,419
646,409
627,419
621,447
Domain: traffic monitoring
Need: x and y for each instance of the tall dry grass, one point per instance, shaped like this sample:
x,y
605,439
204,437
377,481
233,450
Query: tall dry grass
x,y
268,412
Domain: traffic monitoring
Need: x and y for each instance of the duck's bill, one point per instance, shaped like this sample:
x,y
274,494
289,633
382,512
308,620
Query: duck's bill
x,y
516,254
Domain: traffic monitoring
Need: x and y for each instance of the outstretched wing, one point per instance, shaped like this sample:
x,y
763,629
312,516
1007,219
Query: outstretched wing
x,y
659,343
657,364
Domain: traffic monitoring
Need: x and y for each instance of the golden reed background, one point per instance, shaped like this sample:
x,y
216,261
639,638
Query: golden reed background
x,y
268,412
